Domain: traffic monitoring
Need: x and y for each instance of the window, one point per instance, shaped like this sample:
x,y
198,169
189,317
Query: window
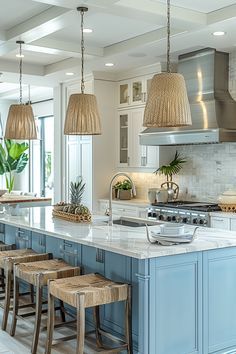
x,y
41,159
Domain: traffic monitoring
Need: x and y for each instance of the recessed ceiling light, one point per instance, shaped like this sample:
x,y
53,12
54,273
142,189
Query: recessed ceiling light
x,y
70,74
87,30
109,64
20,55
218,33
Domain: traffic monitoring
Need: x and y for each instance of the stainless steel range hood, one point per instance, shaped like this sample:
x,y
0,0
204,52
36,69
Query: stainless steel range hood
x,y
212,107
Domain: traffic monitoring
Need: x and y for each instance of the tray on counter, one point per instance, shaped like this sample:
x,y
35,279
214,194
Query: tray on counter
x,y
71,217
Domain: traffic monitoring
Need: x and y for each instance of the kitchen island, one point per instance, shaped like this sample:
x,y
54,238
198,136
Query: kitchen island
x,y
183,295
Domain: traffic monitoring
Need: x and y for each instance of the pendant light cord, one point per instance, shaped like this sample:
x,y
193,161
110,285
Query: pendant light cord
x,y
168,36
82,50
20,73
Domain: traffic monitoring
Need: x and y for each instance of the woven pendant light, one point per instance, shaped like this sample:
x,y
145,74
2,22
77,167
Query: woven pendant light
x,y
167,104
20,123
82,116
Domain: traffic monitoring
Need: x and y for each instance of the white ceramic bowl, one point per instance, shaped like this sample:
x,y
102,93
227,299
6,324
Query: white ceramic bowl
x,y
228,197
172,229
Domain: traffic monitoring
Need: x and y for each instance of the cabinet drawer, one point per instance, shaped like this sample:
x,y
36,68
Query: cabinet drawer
x,y
220,223
233,224
125,211
23,238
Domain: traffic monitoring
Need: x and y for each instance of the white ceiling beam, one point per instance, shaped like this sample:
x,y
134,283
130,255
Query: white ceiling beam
x,y
13,67
68,49
139,41
180,17
5,94
72,4
152,12
223,14
43,24
61,66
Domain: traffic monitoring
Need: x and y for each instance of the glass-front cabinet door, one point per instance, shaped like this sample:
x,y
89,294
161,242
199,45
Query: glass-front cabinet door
x,y
124,95
137,91
123,141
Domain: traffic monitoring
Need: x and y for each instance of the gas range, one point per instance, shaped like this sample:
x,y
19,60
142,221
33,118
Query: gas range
x,y
193,213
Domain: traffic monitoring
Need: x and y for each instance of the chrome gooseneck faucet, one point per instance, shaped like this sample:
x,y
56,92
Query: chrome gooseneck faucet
x,y
110,192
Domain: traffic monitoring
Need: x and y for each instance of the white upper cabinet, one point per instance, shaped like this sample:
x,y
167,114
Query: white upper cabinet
x,y
131,154
133,92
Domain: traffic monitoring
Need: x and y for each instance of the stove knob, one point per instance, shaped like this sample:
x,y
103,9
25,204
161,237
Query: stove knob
x,y
154,214
168,218
195,221
201,221
173,218
149,214
185,220
161,217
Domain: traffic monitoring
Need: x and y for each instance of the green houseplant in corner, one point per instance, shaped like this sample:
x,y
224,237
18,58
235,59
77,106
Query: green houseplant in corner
x,y
13,159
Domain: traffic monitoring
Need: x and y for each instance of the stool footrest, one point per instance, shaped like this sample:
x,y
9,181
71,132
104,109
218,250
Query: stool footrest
x,y
64,339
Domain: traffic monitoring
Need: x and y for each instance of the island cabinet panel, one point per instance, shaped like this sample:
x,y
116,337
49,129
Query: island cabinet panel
x,y
175,304
2,232
21,237
117,268
69,251
38,242
219,284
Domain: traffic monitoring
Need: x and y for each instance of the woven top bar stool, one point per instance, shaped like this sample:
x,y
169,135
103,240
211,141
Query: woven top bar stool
x,y
38,274
4,247
85,291
7,260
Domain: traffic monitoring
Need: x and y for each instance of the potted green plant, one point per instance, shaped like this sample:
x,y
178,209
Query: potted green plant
x,y
169,170
13,159
123,190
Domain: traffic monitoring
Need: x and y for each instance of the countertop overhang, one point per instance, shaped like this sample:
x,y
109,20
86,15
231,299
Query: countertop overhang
x,y
123,240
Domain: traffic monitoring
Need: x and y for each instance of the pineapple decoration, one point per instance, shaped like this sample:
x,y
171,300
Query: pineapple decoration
x,y
76,192
75,207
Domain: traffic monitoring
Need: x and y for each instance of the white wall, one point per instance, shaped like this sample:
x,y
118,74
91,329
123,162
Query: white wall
x,y
104,146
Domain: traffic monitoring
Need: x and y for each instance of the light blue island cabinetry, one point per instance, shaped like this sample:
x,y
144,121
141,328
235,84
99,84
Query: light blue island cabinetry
x,y
182,304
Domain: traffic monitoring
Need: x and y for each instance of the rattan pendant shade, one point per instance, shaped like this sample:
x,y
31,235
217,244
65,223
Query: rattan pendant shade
x,y
82,117
20,123
167,104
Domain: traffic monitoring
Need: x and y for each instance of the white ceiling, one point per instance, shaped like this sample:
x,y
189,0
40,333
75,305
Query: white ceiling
x,y
129,33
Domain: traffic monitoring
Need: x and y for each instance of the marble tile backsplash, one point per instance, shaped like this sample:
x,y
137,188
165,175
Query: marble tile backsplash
x,y
210,170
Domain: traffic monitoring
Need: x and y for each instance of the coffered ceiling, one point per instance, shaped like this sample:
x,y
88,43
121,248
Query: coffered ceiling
x,y
128,33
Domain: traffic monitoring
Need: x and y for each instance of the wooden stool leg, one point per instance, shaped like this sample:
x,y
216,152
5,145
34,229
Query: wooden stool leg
x,y
62,311
38,313
7,299
2,279
32,293
97,327
15,306
80,324
50,322
128,322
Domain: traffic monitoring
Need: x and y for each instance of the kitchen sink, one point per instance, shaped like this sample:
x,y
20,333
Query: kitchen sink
x,y
134,222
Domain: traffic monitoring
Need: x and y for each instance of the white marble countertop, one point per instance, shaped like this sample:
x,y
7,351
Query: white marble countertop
x,y
129,241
